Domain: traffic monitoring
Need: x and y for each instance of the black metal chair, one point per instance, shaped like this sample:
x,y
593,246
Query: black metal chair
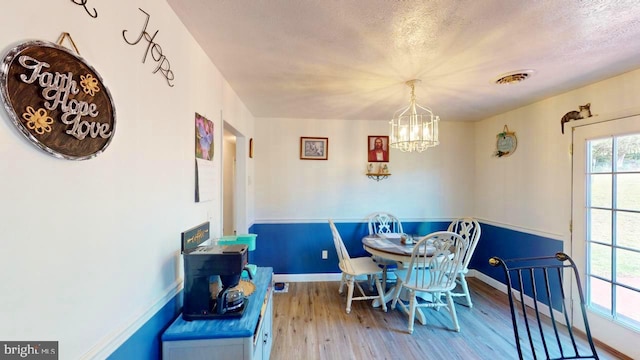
x,y
540,329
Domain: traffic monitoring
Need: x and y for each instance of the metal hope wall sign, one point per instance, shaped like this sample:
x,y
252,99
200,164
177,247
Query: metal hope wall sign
x,y
57,100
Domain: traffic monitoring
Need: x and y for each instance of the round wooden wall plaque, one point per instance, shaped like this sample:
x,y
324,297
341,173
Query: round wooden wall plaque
x,y
57,100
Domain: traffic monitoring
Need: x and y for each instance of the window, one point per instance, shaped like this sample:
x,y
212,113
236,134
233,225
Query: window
x,y
613,227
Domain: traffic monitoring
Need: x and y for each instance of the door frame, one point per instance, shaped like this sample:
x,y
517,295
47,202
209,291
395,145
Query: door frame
x,y
602,327
241,186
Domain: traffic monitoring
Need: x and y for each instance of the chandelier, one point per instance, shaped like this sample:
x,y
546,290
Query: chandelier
x,y
414,128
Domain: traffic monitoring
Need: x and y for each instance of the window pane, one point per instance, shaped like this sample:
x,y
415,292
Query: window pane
x,y
628,229
626,306
600,190
628,192
628,268
600,260
628,153
600,152
600,295
599,226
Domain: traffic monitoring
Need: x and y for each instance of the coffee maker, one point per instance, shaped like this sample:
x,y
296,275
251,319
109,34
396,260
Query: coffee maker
x,y
211,273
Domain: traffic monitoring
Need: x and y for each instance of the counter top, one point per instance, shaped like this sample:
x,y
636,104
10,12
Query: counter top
x,y
244,326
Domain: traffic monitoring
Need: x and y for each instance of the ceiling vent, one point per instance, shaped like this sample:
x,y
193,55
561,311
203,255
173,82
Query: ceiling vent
x,y
514,77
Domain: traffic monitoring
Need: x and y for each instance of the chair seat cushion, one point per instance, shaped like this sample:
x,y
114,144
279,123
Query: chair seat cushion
x,y
362,266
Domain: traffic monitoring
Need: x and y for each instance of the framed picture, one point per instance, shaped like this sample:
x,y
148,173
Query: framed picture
x,y
204,138
378,148
314,148
251,148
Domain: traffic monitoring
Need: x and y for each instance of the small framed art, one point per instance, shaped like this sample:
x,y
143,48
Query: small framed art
x,y
314,148
378,148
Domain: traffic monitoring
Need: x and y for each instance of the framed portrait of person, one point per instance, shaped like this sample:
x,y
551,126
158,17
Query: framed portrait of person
x,y
314,148
378,148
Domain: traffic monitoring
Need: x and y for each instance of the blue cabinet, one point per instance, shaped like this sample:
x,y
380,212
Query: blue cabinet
x,y
248,337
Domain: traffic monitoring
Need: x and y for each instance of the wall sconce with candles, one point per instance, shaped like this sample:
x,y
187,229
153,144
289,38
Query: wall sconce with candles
x,y
379,173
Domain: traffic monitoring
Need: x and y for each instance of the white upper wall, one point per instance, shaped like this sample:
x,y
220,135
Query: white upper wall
x,y
435,184
89,248
531,189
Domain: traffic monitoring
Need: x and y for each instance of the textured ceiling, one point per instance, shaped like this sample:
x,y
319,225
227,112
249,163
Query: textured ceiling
x,y
349,59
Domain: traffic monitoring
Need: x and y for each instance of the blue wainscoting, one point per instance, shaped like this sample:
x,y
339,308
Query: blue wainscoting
x,y
509,244
297,249
145,343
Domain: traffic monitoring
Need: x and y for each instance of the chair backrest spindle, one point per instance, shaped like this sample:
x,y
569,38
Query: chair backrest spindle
x,y
344,259
469,229
436,270
537,284
383,222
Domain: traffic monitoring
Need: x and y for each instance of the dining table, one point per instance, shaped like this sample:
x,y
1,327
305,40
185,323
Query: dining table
x,y
391,246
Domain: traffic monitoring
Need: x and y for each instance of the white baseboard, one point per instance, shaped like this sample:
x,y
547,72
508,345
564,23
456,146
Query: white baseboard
x,y
306,277
115,339
488,280
544,309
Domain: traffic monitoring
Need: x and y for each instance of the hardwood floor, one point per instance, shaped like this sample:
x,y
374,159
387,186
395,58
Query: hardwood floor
x,y
310,322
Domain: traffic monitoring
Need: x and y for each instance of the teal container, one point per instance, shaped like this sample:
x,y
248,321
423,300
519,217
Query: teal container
x,y
249,239
228,238
244,239
252,269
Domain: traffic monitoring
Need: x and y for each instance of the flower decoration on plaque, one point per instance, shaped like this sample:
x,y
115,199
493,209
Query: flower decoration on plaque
x,y
506,143
89,84
57,100
38,120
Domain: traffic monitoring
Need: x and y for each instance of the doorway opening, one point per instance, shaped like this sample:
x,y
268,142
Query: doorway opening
x,y
235,181
228,183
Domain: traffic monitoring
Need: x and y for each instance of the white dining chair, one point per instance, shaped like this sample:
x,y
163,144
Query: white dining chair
x,y
469,229
435,261
354,269
384,223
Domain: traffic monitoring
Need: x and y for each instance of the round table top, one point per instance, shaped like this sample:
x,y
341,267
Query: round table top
x,y
390,247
